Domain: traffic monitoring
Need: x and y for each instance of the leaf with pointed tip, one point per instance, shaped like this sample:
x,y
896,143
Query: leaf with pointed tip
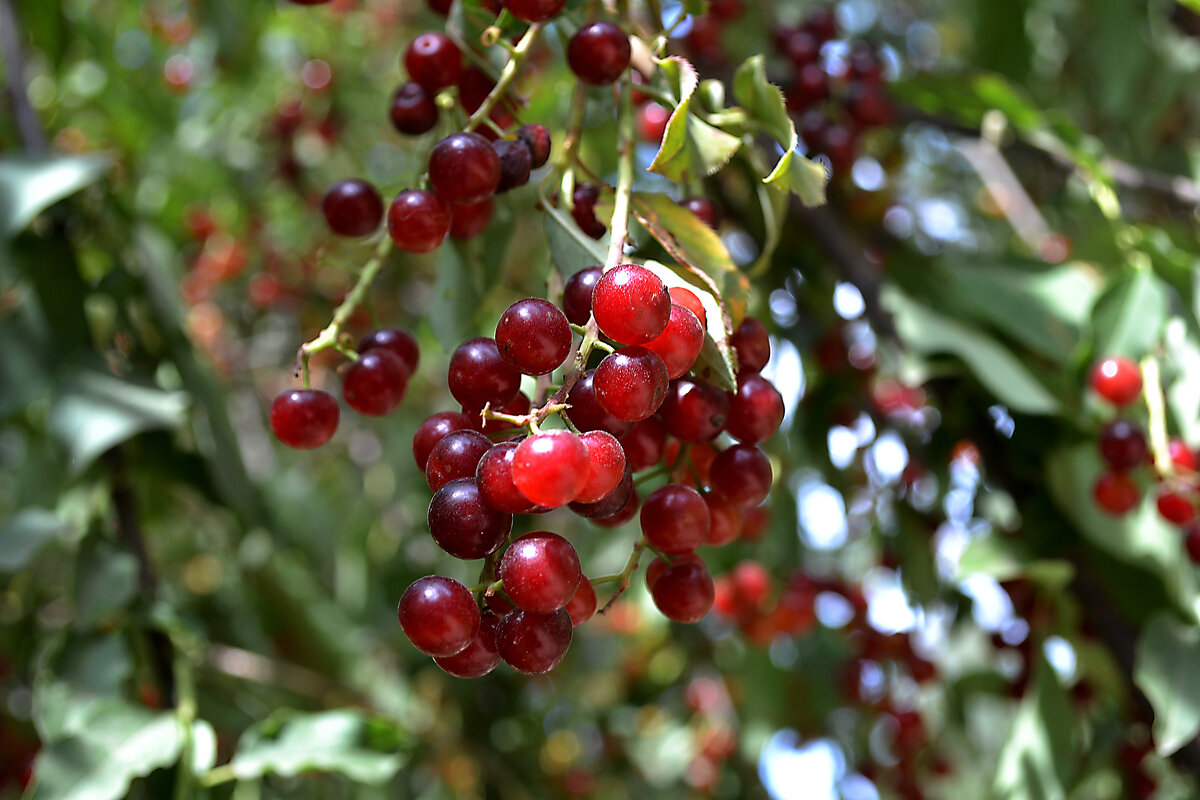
x,y
671,159
717,353
28,186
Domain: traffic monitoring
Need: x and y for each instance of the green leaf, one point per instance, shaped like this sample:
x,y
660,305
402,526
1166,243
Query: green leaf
x,y
25,534
28,186
571,248
105,583
1167,670
1035,761
1129,317
1004,559
713,147
456,296
926,331
364,749
717,352
671,159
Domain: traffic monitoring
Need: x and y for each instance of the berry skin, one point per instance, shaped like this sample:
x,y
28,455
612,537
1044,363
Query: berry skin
x,y
1117,380
680,343
541,572
534,10
1191,543
752,345
658,566
400,342
583,209
434,429
822,24
467,222
537,139
496,486
1175,507
811,86
644,444
684,592
741,475
479,375
586,413
1116,493
464,169
438,616
868,105
418,220
456,456
675,519
352,208
463,525
598,53
611,505
631,383
515,163
626,512
433,61
375,383
534,336
304,418
652,120
704,209
413,110
583,603
755,410
689,300
631,304
1181,456
577,295
606,466
726,521
695,411
479,658
1123,445
551,468
534,643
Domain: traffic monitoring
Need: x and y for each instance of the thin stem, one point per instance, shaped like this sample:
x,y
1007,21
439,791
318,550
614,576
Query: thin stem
x,y
623,577
625,147
519,54
218,775
1156,406
566,156
328,337
185,710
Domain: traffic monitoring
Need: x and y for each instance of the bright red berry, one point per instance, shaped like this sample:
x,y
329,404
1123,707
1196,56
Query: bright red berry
x,y
551,468
375,383
631,304
464,169
585,411
534,643
433,61
606,466
352,207
631,383
1116,493
540,572
599,52
1182,456
675,519
652,120
534,336
741,475
304,418
1117,380
479,658
496,485
680,343
464,525
418,220
1174,506
685,297
478,375
439,615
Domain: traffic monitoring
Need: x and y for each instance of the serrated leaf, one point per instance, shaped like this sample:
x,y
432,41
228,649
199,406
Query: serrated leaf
x,y
713,146
1129,317
1167,670
717,353
672,158
25,534
28,186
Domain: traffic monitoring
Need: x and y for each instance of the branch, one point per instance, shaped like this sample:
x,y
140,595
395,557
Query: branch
x,y
13,53
519,54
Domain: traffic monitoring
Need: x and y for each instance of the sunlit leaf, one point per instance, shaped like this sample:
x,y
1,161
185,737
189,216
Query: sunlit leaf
x,y
1167,671
28,186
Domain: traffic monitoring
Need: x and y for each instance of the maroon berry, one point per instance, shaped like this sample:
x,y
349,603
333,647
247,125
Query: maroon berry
x,y
583,603
1116,493
675,519
455,456
680,343
1117,380
631,383
551,468
515,163
741,475
464,169
577,295
375,383
304,418
400,342
821,24
606,466
694,411
802,48
478,375
434,429
1123,445
684,592
726,521
583,209
534,643
704,209
1191,543
585,411
631,304
480,657
837,142
537,139
1175,507
540,572
612,504
467,222
810,86
352,207
418,220
464,525
440,6
752,344
433,61
534,10
413,110
868,104
534,336
599,52
496,486
645,444
438,616
626,512
755,410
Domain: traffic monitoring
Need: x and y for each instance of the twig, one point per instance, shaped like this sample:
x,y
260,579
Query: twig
x,y
624,576
519,54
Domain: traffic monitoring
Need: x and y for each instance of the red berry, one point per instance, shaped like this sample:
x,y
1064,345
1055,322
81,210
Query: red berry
x,y
1116,493
755,410
434,429
675,519
304,418
478,375
741,475
644,444
1175,507
551,468
479,658
810,86
515,163
577,295
519,406
631,304
541,572
681,296
652,120
433,61
631,383
612,504
752,345
754,523
534,336
599,52
627,511
1191,543
496,486
704,209
464,169
440,6
352,207
534,10
684,592
418,220
439,616
585,411
802,48
467,222
1123,445
695,411
868,104
1117,380
455,456
680,343
413,110
821,24
1181,455
606,466
837,142
537,139
726,522
400,342
534,643
658,566
375,383
464,525
583,603
583,209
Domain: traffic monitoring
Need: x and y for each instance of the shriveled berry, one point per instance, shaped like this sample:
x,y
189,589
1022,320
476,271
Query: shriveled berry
x,y
413,110
455,456
551,468
479,657
631,304
577,295
741,475
599,52
375,383
534,643
496,486
583,603
418,220
434,429
695,411
304,418
400,342
534,336
755,410
464,525
467,222
541,572
515,163
1123,445
1116,493
675,519
631,383
438,615
352,207
680,343
752,345
537,139
464,169
433,61
1117,380
583,209
534,10
684,592
478,375
585,411
606,466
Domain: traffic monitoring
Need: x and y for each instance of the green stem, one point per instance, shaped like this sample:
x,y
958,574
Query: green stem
x,y
566,156
218,775
519,54
625,147
1156,406
624,576
185,710
328,337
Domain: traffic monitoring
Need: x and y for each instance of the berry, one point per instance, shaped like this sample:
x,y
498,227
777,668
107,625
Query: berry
x,y
455,456
583,603
551,468
599,52
585,411
658,566
741,475
726,521
540,572
1191,543
1182,456
755,410
496,486
1175,507
821,24
515,163
479,658
1116,493
681,296
752,345
626,512
478,375
837,142
680,343
440,6
644,444
537,139
304,418
464,169
684,592
433,430
695,411
464,525
675,519
631,304
802,48
352,208
810,86
534,643
577,295
375,383
418,220
612,504
1117,380
534,10
413,110
467,222
438,615
534,336
704,209
1123,445
583,209
631,383
652,120
401,343
606,466
433,61
867,104
754,523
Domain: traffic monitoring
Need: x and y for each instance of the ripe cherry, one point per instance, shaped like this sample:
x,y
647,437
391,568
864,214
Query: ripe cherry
x,y
755,410
606,466
464,525
418,220
433,61
478,375
352,207
467,222
682,296
456,456
726,521
400,342
304,418
534,10
704,209
413,110
496,486
612,504
577,295
1116,493
631,383
1117,380
537,139
675,519
375,383
695,411
534,643
515,163
652,120
540,572
534,336
585,411
1174,506
434,429
551,468
684,592
631,304
741,475
626,512
644,444
464,169
438,615
583,603
752,344
480,657
1123,445
599,52
680,343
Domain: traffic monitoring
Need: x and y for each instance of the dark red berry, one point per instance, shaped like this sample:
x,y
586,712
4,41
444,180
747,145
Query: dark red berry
x,y
464,169
585,411
1174,506
413,110
1123,445
534,336
480,657
375,383
537,139
495,481
400,342
626,512
440,6
599,52
658,566
540,572
810,86
534,643
821,24
438,615
478,375
726,523
583,603
433,61
418,220
837,142
684,592
726,10
631,383
577,295
1117,380
675,519
583,209
644,444
352,208
802,48
456,456
464,525
551,468
534,10
434,429
606,466
755,410
467,222
612,504
741,475
752,344
1116,493
695,411
631,304
304,418
868,104
515,163
1191,543
704,209
680,343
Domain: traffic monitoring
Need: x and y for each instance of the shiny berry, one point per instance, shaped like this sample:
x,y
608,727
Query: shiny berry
x,y
631,304
612,504
352,208
375,383
1123,445
583,603
400,342
631,383
684,592
1116,493
537,139
599,52
741,475
755,409
1117,380
551,468
304,418
726,521
695,411
464,525
433,61
606,466
534,643
515,163
540,572
680,343
704,209
534,336
1174,506
752,345
439,616
464,169
434,429
496,486
418,220
455,456
624,514
585,411
413,110
534,10
685,297
675,519
479,658
478,375
577,295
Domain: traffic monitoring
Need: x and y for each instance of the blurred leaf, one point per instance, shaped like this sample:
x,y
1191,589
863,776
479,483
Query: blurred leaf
x,y
25,534
364,749
717,352
204,747
927,331
1036,759
105,583
571,248
456,296
77,671
1004,559
28,186
1167,670
1129,317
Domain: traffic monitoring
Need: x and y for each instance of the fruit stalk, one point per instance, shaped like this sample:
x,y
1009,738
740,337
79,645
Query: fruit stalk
x,y
519,54
1160,447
